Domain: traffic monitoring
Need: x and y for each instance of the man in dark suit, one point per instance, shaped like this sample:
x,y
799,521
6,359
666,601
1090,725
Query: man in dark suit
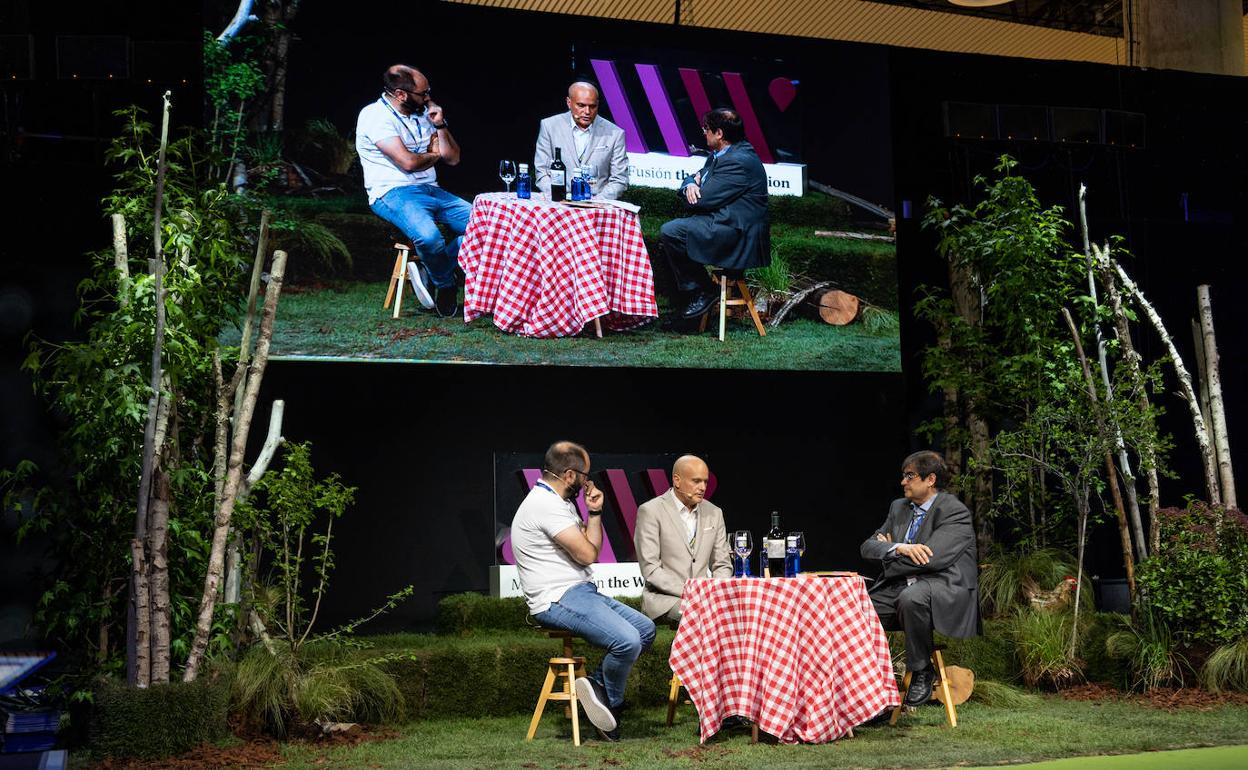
x,y
728,202
930,579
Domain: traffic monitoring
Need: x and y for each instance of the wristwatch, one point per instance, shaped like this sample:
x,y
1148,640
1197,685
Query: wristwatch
x,y
439,126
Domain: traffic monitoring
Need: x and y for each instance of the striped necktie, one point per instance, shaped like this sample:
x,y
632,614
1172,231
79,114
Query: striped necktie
x,y
915,522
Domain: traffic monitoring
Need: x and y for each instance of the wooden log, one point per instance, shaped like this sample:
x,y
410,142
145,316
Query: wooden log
x,y
837,307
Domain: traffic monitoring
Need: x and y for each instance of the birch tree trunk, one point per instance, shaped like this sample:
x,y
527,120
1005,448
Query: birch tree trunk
x,y
1221,439
1139,391
139,606
234,471
1107,432
1124,462
158,578
121,259
1185,382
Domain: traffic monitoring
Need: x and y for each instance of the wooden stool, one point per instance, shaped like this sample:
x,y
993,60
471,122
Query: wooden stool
x,y
397,276
739,296
938,660
567,667
672,697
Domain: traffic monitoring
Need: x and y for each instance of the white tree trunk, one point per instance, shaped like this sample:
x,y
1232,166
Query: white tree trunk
x,y
158,578
234,571
1221,439
234,472
121,259
1185,382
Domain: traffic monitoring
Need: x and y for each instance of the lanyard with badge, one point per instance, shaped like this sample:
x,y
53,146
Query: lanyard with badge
x,y
415,139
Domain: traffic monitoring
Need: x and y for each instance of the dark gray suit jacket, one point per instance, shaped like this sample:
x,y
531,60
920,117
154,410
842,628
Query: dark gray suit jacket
x,y
952,572
729,223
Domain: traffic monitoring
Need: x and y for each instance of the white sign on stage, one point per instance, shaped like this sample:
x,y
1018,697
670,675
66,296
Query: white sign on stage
x,y
615,579
658,169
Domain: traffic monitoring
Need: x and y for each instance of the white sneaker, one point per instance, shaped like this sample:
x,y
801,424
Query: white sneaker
x,y
416,272
593,699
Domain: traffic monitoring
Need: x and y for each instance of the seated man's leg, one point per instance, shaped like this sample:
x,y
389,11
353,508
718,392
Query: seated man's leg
x,y
603,622
690,276
452,211
411,208
914,607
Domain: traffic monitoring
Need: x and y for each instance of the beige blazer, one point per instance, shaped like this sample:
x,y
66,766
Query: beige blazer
x,y
664,554
605,154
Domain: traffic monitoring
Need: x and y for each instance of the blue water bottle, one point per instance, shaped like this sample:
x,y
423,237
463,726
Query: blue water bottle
x,y
524,188
578,186
587,185
792,557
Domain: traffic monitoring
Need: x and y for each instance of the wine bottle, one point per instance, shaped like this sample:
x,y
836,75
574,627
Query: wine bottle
x,y
558,177
773,546
523,183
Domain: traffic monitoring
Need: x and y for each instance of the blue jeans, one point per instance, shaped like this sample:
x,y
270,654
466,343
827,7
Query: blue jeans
x,y
416,209
603,622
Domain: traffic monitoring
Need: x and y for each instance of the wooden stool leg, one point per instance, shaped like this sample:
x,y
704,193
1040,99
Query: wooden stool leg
x,y
905,685
749,303
672,696
950,711
576,716
702,324
396,280
754,732
723,305
547,688
398,299
598,328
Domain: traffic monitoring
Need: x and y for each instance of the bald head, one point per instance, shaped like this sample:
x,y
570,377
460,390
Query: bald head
x,y
583,103
408,87
689,477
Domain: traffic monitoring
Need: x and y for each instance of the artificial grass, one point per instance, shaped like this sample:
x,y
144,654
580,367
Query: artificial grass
x,y
1215,758
346,321
1050,728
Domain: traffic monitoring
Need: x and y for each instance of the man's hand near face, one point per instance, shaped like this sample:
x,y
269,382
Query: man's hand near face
x,y
593,497
434,113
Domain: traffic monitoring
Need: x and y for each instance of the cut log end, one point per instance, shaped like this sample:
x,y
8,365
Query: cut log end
x,y
837,307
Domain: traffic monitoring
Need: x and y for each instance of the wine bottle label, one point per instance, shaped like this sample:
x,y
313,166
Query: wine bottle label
x,y
556,177
775,548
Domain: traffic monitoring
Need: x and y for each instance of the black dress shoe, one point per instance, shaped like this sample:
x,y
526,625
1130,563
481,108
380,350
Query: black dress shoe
x,y
920,691
700,303
447,303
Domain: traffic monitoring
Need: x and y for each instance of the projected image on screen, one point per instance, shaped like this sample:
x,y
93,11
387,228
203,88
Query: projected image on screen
x,y
645,208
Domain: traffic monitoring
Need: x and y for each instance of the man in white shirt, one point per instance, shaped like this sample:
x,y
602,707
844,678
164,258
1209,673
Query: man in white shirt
x,y
400,138
584,139
679,535
553,551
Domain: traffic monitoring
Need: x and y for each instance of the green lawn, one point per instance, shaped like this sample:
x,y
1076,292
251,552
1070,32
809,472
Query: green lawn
x,y
346,321
1049,727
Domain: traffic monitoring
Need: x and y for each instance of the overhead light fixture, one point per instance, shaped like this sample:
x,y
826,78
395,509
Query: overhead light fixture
x,y
978,3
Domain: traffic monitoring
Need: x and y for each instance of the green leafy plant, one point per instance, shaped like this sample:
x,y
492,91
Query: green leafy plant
x,y
1042,641
296,678
774,278
1227,667
323,139
1197,583
1150,651
1008,579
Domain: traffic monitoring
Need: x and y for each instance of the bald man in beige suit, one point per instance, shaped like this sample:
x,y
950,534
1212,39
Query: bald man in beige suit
x,y
679,536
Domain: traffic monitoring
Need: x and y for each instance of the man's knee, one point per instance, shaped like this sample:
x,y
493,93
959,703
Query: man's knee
x,y
647,635
673,231
914,597
629,644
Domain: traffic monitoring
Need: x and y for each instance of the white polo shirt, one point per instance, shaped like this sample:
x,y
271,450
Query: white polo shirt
x,y
545,569
381,120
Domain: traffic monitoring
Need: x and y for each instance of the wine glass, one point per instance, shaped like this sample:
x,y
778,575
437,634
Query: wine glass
x,y
801,542
507,172
743,546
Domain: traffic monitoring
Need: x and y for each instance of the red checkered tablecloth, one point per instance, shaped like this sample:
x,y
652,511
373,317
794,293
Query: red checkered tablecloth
x,y
805,658
546,269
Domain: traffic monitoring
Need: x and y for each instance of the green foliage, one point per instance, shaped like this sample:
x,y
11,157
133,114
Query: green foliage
x,y
1007,577
332,151
159,721
877,320
774,277
1227,667
999,695
1042,643
288,688
1198,581
1149,650
297,235
84,504
232,77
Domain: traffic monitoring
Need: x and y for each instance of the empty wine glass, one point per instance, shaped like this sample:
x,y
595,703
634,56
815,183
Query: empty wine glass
x,y
743,546
507,172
